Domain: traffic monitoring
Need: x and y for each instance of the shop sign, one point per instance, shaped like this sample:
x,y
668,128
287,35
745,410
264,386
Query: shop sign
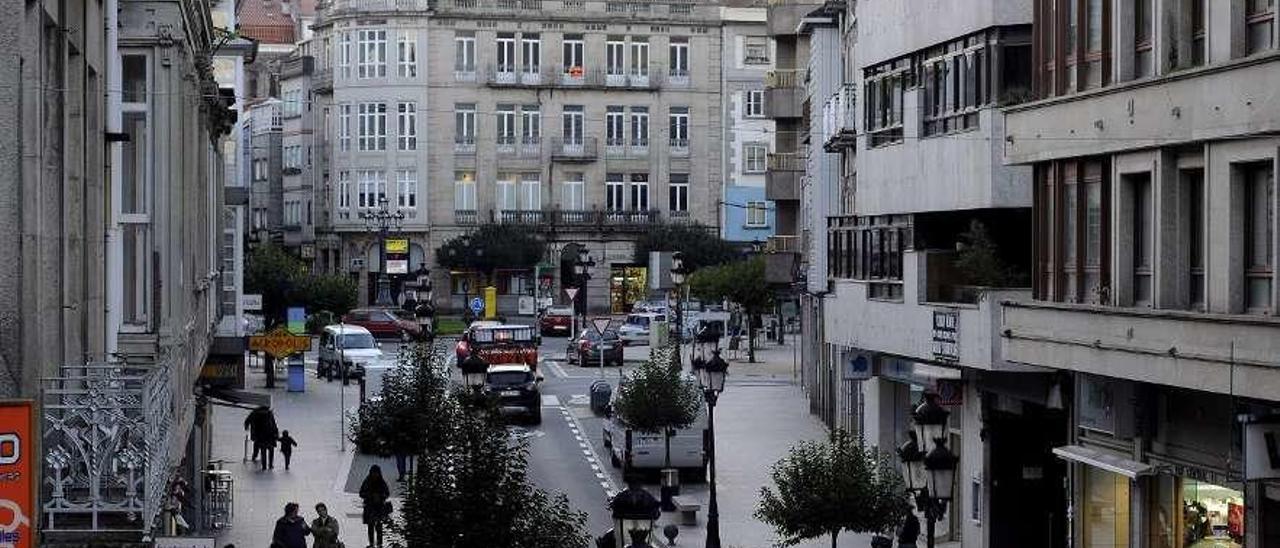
x,y
857,367
17,473
397,250
221,371
946,335
279,342
950,392
251,302
1262,450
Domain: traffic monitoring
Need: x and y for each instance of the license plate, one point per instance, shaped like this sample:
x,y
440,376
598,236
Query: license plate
x,y
606,347
510,392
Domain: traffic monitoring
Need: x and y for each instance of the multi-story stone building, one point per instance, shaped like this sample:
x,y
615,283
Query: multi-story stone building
x,y
746,217
264,124
1154,149
297,151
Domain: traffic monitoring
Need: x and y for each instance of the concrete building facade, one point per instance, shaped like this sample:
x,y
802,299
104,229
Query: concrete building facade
x,y
297,147
746,217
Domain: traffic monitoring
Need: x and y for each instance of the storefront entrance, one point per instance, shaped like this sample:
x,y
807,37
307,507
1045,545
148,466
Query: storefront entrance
x,y
1028,498
1187,513
627,286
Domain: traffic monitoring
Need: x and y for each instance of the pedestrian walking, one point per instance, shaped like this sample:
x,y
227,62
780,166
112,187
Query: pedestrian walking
x,y
264,434
324,529
404,466
291,529
909,532
374,493
287,444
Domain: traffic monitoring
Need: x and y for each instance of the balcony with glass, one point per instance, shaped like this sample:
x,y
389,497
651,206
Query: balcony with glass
x,y
839,113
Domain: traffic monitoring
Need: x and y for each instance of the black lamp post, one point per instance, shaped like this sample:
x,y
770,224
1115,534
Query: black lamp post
x,y
582,268
382,220
475,372
679,273
929,475
711,375
634,513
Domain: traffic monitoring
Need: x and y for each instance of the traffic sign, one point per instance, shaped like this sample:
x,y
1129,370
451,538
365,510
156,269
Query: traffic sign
x,y
477,305
601,324
572,292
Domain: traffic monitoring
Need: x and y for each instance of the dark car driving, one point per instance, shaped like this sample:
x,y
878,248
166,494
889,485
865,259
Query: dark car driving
x,y
585,349
516,387
556,320
383,323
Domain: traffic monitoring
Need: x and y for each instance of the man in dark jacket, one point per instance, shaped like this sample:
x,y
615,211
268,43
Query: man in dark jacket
x,y
263,431
291,529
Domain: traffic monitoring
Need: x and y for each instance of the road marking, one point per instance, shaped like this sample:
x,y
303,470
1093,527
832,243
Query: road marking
x,y
550,401
555,369
579,399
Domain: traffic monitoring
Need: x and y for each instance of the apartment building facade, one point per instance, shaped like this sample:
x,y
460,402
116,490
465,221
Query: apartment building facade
x,y
746,217
297,154
1154,149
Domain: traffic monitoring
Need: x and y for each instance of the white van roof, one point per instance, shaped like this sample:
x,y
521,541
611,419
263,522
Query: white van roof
x,y
346,329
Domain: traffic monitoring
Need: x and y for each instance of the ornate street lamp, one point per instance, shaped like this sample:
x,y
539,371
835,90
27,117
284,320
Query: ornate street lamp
x,y
930,475
711,375
930,420
913,473
582,270
634,513
475,371
382,220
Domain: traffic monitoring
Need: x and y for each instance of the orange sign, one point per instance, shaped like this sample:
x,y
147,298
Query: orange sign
x,y
17,477
280,342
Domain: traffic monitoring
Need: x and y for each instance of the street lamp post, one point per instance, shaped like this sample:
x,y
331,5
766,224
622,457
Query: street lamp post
x,y
929,475
582,268
711,377
679,273
382,220
634,513
474,372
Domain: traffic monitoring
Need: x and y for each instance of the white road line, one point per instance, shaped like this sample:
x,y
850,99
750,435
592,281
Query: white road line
x,y
556,369
550,401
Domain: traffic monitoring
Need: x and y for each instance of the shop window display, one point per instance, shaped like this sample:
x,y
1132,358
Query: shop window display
x,y
1195,514
1106,509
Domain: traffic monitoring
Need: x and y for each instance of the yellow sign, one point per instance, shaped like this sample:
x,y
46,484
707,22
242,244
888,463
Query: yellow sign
x,y
397,245
279,342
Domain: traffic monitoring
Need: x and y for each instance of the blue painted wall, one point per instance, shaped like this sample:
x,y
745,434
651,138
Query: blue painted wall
x,y
735,215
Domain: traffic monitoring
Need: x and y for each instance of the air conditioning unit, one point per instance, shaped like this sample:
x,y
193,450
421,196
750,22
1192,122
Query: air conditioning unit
x,y
357,263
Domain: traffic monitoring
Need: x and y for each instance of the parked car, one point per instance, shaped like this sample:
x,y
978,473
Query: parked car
x,y
516,388
556,320
585,349
657,307
346,349
648,450
383,323
635,330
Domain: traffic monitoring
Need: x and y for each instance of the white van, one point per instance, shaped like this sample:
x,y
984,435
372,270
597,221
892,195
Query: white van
x,y
348,348
635,330
648,450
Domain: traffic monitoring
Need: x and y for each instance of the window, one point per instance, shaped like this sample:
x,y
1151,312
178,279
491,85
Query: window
x,y
506,124
753,105
344,127
530,125
1260,20
613,127
1084,51
679,127
639,191
639,126
614,189
373,126
344,54
530,192
640,56
756,214
408,55
136,190
1105,508
679,57
1141,233
1198,52
464,190
506,54
755,50
344,190
1259,236
884,84
373,188
955,85
464,119
870,248
505,196
572,50
573,192
373,53
1073,209
572,121
614,63
678,193
407,189
1142,38
1193,238
407,128
464,53
754,157
531,54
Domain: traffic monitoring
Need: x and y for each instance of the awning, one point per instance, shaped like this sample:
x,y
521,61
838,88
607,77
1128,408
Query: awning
x,y
1106,460
233,397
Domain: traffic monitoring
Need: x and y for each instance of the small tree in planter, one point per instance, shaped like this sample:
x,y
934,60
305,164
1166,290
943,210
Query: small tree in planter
x,y
657,398
825,488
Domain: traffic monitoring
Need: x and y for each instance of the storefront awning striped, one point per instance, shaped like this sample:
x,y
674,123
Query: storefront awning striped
x,y
1106,460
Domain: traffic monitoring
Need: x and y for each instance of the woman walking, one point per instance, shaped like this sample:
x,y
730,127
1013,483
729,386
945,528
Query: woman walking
x,y
291,529
374,492
325,529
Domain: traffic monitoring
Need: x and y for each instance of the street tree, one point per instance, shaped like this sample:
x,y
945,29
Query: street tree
x,y
699,243
826,488
656,398
405,418
277,276
333,293
740,282
490,247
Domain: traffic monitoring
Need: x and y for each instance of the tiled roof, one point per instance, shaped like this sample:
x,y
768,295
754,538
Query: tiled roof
x,y
266,21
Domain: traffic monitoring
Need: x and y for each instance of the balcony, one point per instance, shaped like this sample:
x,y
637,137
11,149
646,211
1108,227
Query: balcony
x,y
465,145
838,115
337,7
522,216
782,259
784,15
679,79
592,220
322,80
522,77
1192,350
782,179
784,94
592,10
466,217
679,148
579,150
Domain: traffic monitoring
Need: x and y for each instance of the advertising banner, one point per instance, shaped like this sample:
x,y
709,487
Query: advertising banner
x,y
17,474
297,320
397,250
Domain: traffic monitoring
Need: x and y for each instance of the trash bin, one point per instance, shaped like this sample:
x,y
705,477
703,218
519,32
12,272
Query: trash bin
x,y
297,374
601,392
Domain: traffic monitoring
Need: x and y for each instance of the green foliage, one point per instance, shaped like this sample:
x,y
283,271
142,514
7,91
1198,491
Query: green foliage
x,y
490,247
405,417
825,488
740,282
334,293
980,262
657,397
699,244
277,276
450,326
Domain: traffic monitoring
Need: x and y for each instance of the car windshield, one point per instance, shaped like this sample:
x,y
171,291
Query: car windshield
x,y
510,378
642,321
358,340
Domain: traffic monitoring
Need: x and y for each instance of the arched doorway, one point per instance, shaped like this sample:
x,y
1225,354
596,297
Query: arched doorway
x,y
569,277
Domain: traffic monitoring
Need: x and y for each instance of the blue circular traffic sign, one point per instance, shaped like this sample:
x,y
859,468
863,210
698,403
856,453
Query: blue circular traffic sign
x,y
477,305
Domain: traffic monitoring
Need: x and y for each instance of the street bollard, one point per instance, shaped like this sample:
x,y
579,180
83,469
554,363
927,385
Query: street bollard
x,y
670,488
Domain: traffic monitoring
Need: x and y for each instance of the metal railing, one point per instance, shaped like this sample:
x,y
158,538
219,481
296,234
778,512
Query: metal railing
x,y
466,217
336,6
786,161
581,150
782,244
839,114
584,219
784,78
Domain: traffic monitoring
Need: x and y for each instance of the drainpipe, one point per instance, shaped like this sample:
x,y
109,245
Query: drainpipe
x,y
114,245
